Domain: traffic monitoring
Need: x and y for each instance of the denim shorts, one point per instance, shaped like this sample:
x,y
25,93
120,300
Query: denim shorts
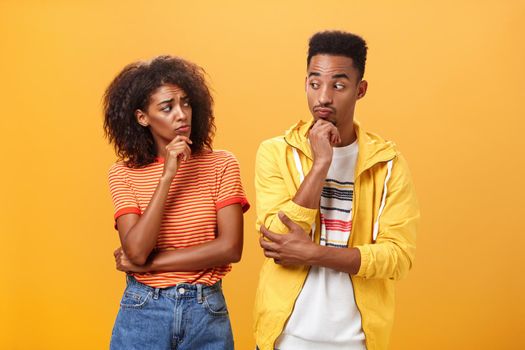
x,y
182,317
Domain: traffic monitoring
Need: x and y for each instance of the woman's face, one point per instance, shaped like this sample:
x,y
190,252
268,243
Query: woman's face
x,y
168,114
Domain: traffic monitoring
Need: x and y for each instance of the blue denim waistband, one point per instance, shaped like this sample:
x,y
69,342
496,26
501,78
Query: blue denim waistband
x,y
181,290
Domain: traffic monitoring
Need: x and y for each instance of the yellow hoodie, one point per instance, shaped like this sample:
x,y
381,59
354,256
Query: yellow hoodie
x,y
384,221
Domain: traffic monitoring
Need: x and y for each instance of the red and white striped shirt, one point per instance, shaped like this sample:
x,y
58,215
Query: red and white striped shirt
x,y
204,184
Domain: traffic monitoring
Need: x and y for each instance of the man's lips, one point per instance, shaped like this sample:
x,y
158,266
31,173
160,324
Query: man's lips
x,y
323,111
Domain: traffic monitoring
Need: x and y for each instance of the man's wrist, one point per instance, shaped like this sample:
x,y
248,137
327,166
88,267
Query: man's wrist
x,y
314,255
321,166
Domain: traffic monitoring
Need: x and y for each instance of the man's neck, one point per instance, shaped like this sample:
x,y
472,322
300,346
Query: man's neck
x,y
347,136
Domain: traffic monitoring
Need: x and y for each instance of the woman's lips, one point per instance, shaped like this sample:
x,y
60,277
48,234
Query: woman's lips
x,y
184,128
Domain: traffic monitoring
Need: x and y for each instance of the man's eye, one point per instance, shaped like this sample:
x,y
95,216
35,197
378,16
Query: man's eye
x,y
339,86
314,85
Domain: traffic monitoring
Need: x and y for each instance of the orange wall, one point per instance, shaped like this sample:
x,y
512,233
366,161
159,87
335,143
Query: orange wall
x,y
446,82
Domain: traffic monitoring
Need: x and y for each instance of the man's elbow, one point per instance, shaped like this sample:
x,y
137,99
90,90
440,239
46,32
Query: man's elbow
x,y
403,266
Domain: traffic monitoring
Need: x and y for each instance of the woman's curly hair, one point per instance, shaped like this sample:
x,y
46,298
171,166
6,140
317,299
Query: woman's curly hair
x,y
132,89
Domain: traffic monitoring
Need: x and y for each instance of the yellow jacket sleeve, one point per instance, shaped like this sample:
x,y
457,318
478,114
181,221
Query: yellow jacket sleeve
x,y
393,253
275,189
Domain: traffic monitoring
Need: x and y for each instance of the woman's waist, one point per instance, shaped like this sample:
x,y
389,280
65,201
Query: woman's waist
x,y
207,277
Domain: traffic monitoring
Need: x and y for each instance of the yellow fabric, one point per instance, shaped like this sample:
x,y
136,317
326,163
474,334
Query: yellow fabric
x,y
387,259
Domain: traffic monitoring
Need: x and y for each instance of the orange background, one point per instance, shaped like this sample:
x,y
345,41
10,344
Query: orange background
x,y
446,82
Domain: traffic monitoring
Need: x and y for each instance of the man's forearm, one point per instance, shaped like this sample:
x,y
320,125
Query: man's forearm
x,y
309,193
340,259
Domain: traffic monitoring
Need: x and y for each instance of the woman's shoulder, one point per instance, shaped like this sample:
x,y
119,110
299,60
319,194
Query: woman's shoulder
x,y
218,159
217,155
223,154
122,168
118,167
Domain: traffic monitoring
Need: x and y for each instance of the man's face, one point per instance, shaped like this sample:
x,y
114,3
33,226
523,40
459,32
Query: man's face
x,y
332,88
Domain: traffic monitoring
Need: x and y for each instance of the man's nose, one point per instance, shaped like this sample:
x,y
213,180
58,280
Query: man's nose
x,y
325,96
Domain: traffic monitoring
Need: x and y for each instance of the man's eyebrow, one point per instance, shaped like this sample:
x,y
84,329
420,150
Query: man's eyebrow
x,y
335,76
165,101
341,75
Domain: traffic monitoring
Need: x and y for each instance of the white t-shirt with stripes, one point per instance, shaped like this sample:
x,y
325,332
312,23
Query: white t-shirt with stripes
x,y
325,315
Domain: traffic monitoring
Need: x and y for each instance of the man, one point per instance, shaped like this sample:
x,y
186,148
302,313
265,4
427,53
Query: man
x,y
338,214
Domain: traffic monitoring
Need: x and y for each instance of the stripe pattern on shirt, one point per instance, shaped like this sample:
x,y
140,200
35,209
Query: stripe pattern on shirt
x,y
336,212
203,185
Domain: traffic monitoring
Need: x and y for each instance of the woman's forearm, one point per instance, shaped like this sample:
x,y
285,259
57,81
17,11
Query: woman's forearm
x,y
223,250
203,256
140,238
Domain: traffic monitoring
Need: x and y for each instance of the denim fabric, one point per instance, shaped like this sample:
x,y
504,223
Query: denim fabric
x,y
181,317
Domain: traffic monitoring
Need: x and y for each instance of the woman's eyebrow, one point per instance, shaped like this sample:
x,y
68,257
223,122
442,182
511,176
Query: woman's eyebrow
x,y
165,101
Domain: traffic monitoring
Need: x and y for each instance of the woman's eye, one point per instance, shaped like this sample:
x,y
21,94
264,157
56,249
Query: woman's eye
x,y
166,109
186,104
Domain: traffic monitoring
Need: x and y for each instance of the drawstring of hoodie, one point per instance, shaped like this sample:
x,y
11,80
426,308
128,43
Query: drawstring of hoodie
x,y
375,231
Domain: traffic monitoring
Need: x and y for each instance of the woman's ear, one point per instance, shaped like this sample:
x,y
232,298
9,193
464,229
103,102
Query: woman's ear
x,y
142,118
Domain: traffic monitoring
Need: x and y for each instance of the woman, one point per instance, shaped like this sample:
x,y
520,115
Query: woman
x,y
178,208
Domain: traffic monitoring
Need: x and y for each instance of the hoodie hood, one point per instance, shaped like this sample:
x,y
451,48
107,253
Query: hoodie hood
x,y
372,148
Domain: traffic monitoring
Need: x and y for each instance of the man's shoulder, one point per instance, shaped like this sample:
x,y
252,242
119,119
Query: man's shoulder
x,y
274,143
270,151
276,140
291,134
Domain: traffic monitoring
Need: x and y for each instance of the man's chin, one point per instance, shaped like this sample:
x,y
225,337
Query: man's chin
x,y
330,120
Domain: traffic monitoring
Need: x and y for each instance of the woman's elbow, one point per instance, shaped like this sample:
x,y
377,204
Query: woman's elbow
x,y
136,257
139,260
234,253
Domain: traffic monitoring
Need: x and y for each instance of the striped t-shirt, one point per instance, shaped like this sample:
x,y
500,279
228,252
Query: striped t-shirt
x,y
325,315
203,184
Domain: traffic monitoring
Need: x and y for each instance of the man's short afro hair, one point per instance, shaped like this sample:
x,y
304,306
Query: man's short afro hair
x,y
339,43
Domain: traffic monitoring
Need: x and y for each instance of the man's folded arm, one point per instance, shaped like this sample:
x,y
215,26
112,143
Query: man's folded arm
x,y
273,194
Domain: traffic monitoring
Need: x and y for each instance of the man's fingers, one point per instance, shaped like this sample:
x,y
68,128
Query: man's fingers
x,y
288,222
267,245
325,129
270,235
117,252
271,255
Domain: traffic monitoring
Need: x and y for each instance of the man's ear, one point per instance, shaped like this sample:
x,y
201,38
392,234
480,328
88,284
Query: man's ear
x,y
142,118
361,89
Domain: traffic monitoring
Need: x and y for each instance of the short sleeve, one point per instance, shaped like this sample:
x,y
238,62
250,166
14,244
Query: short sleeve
x,y
124,199
230,190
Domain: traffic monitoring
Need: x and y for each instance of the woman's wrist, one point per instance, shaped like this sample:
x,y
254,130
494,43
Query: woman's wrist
x,y
166,178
